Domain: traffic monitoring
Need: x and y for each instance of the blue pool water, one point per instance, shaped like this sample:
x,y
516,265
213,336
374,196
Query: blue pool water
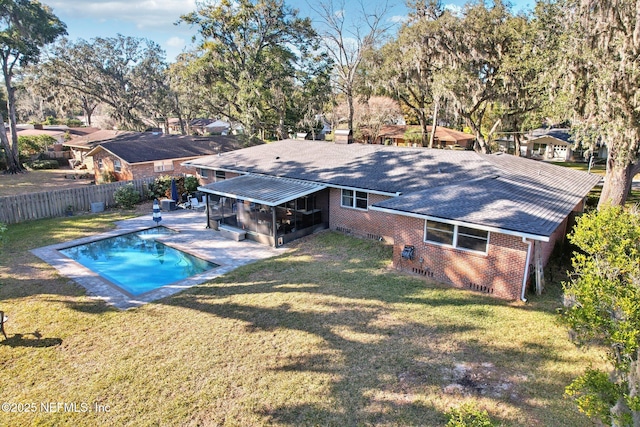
x,y
137,262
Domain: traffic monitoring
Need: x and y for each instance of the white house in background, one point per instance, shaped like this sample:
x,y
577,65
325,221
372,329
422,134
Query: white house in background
x,y
549,144
218,127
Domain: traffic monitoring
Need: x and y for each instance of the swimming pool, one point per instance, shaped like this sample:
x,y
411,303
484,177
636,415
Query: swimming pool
x,y
138,262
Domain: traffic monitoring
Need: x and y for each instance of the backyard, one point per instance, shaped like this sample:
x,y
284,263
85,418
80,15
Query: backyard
x,y
41,180
324,334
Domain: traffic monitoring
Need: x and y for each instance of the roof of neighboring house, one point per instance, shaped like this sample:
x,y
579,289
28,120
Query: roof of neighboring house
x,y
201,122
219,124
501,191
442,133
151,146
90,140
82,131
561,134
36,132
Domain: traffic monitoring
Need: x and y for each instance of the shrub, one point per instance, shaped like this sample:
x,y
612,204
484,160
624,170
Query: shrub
x,y
126,196
74,123
108,176
44,164
34,144
161,187
51,121
190,184
468,415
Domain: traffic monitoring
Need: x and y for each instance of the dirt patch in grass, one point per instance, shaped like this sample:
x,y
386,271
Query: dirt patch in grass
x,y
41,180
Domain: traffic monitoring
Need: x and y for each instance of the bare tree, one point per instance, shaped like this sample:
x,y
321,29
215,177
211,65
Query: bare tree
x,y
346,43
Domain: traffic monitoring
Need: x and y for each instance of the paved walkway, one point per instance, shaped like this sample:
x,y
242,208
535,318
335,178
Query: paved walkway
x,y
193,238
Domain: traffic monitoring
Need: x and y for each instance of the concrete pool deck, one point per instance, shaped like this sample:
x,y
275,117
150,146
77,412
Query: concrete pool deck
x,y
192,238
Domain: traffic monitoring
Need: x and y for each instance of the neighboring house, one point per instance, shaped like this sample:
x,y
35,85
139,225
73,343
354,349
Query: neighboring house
x,y
199,126
398,135
549,144
28,130
471,220
85,140
142,155
218,127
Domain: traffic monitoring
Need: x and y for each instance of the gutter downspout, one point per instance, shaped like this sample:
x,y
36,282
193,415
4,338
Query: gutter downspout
x,y
526,268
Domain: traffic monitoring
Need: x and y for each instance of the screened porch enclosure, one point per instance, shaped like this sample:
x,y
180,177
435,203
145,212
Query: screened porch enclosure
x,y
270,210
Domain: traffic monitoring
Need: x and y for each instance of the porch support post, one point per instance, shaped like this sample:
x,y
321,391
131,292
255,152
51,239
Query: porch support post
x,y
539,268
274,226
206,208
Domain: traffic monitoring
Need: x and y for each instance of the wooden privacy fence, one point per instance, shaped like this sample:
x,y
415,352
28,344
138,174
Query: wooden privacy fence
x,y
51,204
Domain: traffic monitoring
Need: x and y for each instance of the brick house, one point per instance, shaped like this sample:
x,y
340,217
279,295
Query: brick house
x,y
145,155
397,135
471,220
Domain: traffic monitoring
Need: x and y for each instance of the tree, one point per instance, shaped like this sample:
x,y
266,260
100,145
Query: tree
x,y
189,96
523,78
41,95
474,47
404,68
600,70
347,44
25,27
250,58
125,73
603,308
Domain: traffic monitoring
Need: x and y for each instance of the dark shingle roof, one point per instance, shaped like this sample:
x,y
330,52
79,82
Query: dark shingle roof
x,y
372,167
499,190
148,146
558,133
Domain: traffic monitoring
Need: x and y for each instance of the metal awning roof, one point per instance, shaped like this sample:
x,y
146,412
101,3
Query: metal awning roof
x,y
268,190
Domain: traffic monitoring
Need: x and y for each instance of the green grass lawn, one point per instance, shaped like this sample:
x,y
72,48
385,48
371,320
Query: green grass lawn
x,y
325,334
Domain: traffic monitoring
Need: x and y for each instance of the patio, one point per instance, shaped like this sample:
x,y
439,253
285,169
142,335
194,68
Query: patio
x,y
192,238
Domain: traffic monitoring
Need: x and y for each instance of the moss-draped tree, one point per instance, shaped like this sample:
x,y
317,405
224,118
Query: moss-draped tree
x,y
26,26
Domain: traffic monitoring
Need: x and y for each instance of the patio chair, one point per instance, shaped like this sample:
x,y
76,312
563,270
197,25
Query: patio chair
x,y
197,204
3,319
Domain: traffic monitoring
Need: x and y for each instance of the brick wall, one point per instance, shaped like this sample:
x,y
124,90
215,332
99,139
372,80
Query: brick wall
x,y
560,233
499,272
125,174
135,171
365,223
211,176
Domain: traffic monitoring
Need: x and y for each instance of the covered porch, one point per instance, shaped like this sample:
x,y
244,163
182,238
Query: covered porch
x,y
267,209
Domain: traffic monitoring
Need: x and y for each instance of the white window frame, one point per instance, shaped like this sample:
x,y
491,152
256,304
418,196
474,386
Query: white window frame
x,y
456,233
163,165
220,175
117,165
355,196
204,173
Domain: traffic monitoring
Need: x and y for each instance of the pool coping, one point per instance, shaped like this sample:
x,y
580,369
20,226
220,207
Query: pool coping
x,y
193,237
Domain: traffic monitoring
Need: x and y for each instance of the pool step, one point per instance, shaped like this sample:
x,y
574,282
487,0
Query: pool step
x,y
232,233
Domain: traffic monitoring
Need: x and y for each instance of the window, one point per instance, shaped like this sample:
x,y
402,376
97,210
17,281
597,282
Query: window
x,y
458,236
100,164
204,173
117,165
161,166
440,232
355,199
220,176
472,239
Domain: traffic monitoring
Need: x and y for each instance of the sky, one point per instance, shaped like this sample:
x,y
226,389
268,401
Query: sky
x,y
155,19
